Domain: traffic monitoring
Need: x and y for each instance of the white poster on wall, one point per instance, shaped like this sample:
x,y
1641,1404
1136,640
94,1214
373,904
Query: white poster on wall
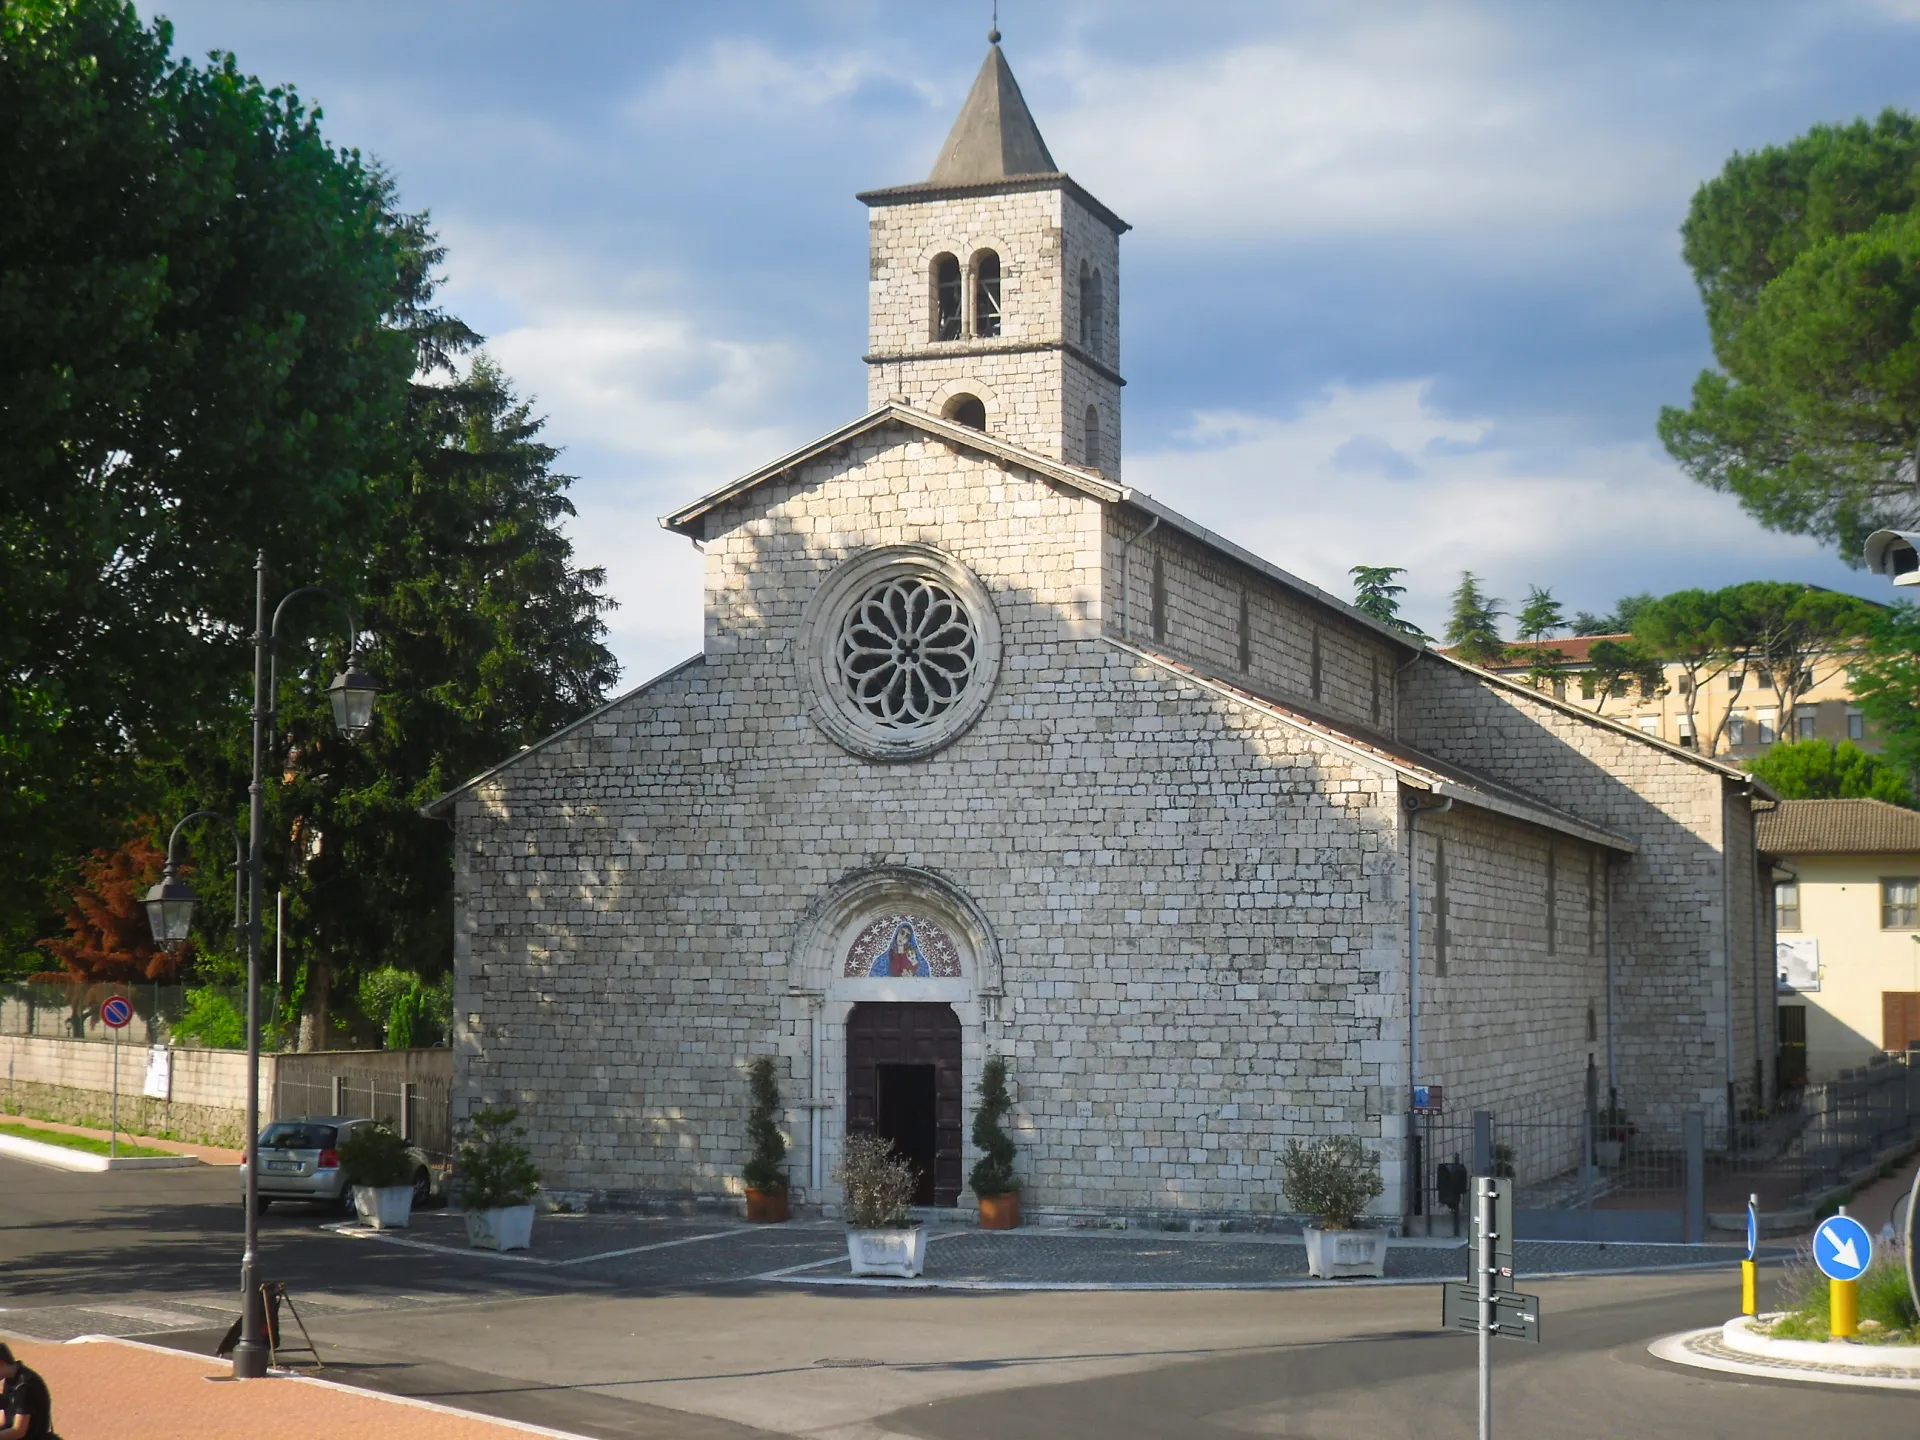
x,y
159,1073
1797,963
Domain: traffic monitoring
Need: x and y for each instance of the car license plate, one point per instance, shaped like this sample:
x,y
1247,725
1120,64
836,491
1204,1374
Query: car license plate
x,y
283,1165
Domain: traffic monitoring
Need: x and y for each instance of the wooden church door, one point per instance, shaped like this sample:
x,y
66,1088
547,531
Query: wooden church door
x,y
903,1083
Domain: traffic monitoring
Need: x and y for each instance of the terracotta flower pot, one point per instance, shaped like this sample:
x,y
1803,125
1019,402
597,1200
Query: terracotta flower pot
x,y
1000,1212
766,1207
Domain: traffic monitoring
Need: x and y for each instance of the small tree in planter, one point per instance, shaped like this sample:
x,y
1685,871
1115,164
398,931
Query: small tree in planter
x,y
379,1166
497,1180
1332,1180
766,1181
876,1188
993,1179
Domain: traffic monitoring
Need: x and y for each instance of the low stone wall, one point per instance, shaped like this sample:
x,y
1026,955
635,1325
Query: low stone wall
x,y
72,1081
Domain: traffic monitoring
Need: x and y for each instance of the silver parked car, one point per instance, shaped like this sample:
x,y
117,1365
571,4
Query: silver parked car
x,y
300,1160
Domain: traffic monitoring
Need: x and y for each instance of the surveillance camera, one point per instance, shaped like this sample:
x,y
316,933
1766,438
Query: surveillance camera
x,y
1895,553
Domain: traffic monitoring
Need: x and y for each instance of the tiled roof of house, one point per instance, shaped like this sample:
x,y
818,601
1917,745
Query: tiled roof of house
x,y
1839,827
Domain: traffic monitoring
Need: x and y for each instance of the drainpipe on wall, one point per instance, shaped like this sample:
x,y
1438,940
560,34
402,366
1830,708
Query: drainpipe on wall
x,y
1762,897
1126,578
1726,952
1411,803
1613,1074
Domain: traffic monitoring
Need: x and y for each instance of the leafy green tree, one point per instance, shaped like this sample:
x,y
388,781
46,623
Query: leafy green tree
x,y
1616,664
1376,594
1473,624
1822,770
1541,618
1808,261
1794,635
208,320
1884,671
1689,629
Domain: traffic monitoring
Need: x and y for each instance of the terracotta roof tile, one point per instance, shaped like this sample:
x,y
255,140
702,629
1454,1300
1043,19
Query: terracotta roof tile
x,y
1838,827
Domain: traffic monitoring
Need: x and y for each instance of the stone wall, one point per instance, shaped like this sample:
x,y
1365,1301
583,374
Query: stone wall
x,y
1670,900
71,1081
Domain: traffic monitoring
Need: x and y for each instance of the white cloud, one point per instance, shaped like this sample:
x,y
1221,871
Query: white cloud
x,y
741,79
1378,475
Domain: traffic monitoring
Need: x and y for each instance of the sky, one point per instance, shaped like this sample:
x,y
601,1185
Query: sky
x,y
1404,285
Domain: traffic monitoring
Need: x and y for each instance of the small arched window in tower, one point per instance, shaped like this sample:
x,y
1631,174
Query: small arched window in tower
x,y
1093,315
986,294
1086,307
946,298
964,409
1093,438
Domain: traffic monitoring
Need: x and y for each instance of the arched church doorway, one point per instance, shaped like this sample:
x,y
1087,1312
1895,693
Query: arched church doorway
x,y
903,1083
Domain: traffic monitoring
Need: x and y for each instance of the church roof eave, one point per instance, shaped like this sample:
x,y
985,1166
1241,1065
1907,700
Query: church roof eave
x,y
924,190
436,808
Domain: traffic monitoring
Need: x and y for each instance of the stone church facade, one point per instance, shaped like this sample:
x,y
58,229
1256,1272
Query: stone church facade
x,y
987,753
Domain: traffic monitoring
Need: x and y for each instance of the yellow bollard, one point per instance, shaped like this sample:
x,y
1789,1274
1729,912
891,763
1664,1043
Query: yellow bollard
x,y
1749,1288
1843,1309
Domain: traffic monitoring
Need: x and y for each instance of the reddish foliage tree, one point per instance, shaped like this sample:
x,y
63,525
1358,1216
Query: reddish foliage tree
x,y
107,933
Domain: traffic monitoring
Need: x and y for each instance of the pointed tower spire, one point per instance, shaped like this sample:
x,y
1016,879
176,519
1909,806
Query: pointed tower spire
x,y
995,137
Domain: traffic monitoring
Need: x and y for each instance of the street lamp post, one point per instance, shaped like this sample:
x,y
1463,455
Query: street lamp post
x,y
170,910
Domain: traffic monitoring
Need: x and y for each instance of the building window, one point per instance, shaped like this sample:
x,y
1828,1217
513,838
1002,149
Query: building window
x,y
946,298
1593,1023
1093,317
1767,719
968,410
1856,725
1588,688
1900,1019
1736,679
1559,687
1900,903
1553,902
1159,599
1650,686
1688,736
1786,905
1245,634
1685,685
1806,719
1093,438
1440,935
1737,728
986,294
1650,725
1314,662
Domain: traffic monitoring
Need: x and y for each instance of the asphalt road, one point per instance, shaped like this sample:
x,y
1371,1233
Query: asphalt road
x,y
628,1352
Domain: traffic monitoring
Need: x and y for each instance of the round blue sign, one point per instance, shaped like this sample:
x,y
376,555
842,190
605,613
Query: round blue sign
x,y
1842,1248
1753,1233
116,1012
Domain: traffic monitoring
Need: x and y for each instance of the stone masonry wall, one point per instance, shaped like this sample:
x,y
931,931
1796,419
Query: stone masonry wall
x,y
1670,899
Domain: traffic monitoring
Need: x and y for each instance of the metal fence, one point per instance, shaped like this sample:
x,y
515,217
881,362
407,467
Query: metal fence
x,y
410,1091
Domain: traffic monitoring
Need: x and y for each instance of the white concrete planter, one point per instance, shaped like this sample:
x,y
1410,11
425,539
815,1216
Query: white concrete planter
x,y
384,1207
901,1253
1609,1152
508,1228
1346,1254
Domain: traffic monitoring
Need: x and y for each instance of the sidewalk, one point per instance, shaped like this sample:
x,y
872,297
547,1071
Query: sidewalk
x,y
122,1390
206,1154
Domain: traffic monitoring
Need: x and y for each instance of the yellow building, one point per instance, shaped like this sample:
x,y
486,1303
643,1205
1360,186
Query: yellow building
x,y
1737,713
1847,928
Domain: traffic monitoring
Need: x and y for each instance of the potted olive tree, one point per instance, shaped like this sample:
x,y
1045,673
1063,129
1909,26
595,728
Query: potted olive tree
x,y
766,1181
993,1179
379,1166
877,1187
1332,1180
497,1180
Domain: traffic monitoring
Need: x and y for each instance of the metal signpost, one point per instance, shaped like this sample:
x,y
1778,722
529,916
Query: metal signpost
x,y
1488,1303
1843,1250
115,1015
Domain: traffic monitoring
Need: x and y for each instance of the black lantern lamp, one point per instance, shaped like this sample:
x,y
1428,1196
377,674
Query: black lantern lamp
x,y
170,910
352,694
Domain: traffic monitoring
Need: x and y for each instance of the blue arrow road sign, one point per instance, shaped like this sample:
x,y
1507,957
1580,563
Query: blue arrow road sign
x,y
1842,1248
1753,1232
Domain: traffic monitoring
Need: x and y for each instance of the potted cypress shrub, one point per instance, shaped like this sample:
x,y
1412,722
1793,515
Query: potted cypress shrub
x,y
497,1180
766,1181
1332,1180
877,1187
993,1180
379,1166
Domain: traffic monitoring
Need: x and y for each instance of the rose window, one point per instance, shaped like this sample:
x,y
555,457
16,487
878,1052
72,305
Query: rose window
x,y
907,651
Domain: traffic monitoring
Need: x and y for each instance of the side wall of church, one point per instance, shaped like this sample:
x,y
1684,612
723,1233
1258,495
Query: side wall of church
x,y
1670,900
1203,592
1199,908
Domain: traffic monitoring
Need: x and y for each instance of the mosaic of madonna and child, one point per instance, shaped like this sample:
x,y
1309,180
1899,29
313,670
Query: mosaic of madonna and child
x,y
903,945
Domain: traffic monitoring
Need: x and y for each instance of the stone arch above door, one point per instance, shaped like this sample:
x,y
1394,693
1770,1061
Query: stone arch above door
x,y
945,949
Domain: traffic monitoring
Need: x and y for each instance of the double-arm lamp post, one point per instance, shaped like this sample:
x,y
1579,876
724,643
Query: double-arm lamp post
x,y
170,905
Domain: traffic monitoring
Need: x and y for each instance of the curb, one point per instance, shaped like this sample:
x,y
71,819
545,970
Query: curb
x,y
60,1157
1707,1350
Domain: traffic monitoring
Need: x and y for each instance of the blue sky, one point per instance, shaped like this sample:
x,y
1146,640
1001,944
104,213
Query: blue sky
x,y
1404,285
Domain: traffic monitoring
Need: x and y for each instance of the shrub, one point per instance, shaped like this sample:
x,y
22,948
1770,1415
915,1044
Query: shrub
x,y
213,1019
993,1173
1884,1300
374,1155
763,1170
495,1169
1331,1180
877,1185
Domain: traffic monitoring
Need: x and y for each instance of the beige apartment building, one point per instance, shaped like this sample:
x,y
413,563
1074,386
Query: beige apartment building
x,y
1847,930
1745,699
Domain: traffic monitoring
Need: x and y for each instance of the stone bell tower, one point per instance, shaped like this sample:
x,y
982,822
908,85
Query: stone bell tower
x,y
994,292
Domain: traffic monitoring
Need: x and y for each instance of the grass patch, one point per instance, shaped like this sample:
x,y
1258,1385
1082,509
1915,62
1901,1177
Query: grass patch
x,y
86,1143
1886,1309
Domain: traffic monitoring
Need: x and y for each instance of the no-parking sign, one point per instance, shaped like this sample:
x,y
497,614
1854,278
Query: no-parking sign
x,y
116,1012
